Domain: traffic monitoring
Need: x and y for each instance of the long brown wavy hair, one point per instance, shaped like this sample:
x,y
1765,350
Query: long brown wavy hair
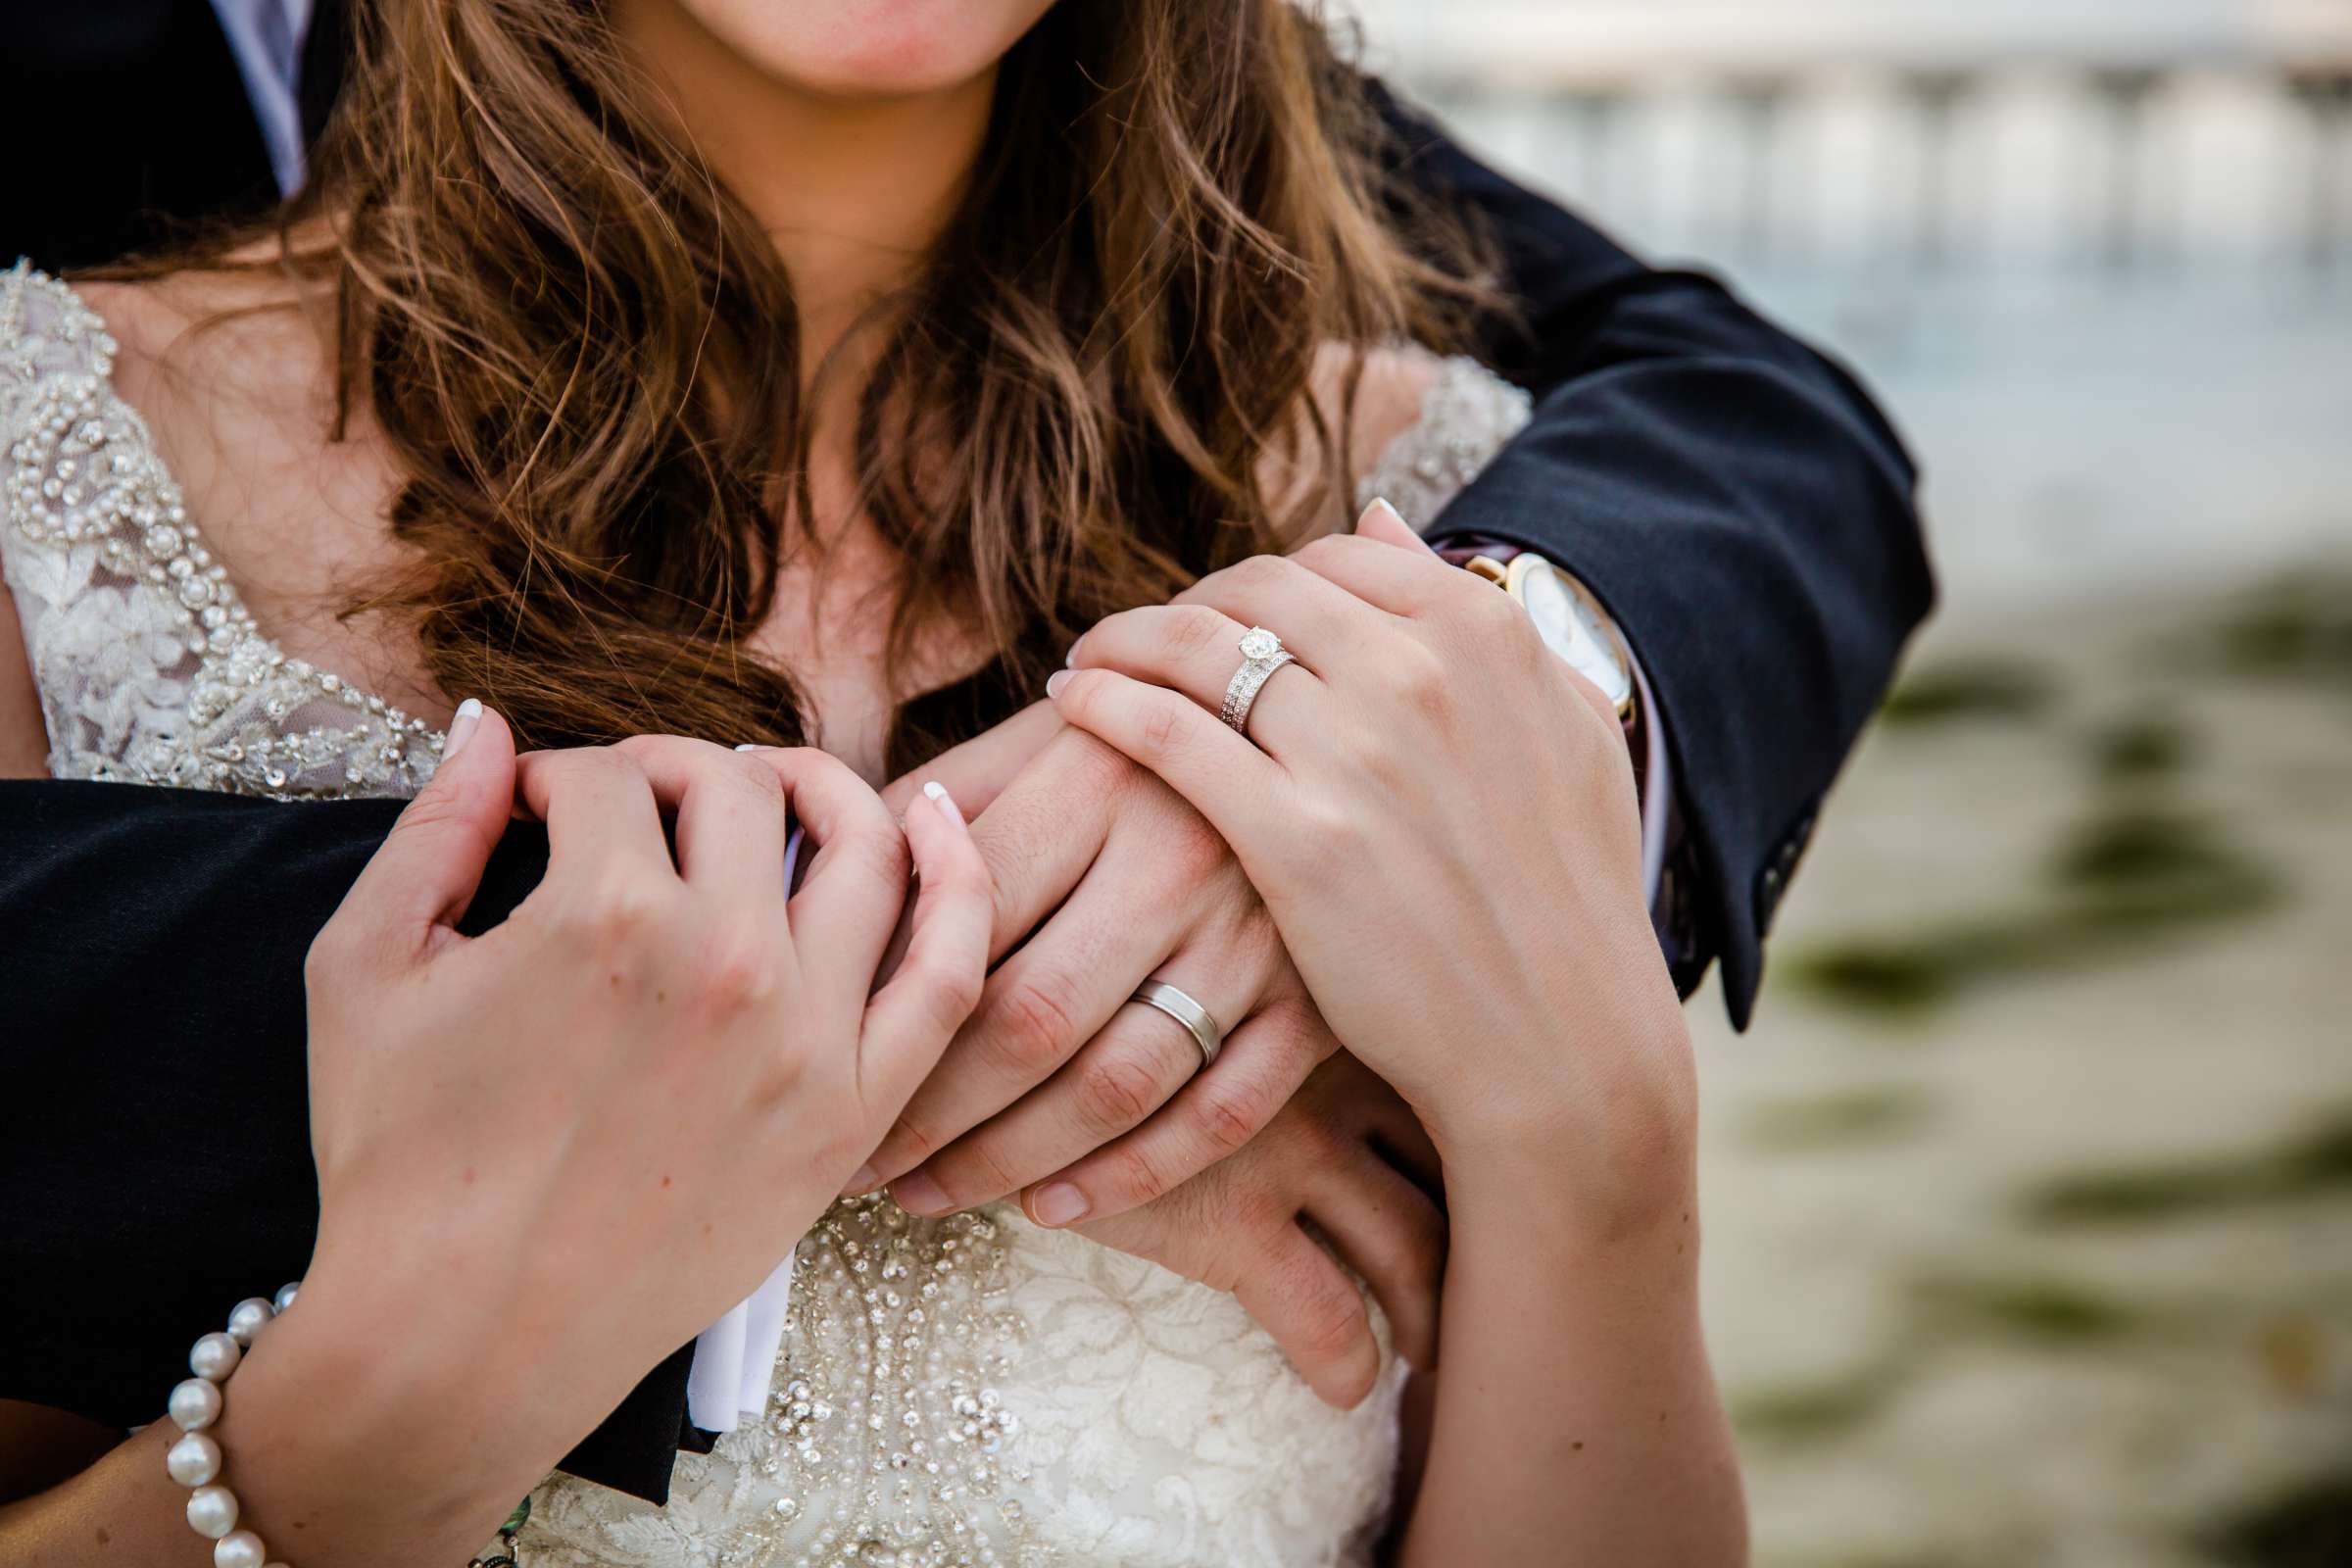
x,y
586,359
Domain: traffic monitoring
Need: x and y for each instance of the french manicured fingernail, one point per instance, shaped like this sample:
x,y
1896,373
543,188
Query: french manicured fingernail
x,y
460,728
919,1193
865,1181
1381,504
1057,681
945,801
1058,1204
1069,661
752,746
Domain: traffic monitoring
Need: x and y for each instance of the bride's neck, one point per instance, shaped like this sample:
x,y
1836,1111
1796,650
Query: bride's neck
x,y
853,192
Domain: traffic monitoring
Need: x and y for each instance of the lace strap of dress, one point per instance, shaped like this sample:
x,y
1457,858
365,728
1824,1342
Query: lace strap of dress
x,y
149,667
46,330
1468,415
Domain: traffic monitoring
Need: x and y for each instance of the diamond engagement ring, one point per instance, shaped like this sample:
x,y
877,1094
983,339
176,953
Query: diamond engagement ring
x,y
1262,656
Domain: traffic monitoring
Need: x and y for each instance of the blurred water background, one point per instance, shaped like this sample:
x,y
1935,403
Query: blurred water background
x,y
2030,1195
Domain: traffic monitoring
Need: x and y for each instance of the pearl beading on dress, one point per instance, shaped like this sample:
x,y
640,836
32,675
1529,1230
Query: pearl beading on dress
x,y
84,489
888,1443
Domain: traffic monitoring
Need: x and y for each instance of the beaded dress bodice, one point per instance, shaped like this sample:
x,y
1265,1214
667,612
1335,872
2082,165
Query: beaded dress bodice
x,y
967,1390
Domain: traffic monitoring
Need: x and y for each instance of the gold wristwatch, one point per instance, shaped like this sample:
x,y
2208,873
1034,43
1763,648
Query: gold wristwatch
x,y
1569,619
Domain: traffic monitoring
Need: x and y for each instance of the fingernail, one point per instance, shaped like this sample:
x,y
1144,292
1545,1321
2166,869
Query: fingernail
x,y
462,727
865,1181
1069,661
1381,504
750,746
945,801
919,1193
1057,681
1058,1204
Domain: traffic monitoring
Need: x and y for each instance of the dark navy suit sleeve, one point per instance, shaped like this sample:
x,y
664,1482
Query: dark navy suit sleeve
x,y
1732,497
155,1152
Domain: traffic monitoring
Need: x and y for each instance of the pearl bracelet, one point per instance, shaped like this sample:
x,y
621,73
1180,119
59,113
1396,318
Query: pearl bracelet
x,y
195,1459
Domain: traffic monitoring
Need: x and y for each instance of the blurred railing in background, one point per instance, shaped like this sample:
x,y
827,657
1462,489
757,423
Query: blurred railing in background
x,y
2098,253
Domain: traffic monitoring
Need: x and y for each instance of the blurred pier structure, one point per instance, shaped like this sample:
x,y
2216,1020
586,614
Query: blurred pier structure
x,y
2096,253
2129,134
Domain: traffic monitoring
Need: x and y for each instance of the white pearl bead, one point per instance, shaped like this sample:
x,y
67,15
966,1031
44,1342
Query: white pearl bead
x,y
212,1511
215,1357
194,1404
285,1294
247,1318
194,1459
240,1549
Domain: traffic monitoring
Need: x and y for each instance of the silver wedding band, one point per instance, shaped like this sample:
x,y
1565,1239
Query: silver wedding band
x,y
1262,654
1198,1021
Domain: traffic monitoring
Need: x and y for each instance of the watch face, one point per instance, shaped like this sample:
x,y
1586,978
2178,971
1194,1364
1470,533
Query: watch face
x,y
1571,628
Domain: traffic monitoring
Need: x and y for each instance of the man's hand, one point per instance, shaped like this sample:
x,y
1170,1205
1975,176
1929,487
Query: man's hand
x,y
1057,1088
1220,1182
1344,1157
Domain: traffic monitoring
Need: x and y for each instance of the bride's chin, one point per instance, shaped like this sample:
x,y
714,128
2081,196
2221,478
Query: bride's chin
x,y
868,51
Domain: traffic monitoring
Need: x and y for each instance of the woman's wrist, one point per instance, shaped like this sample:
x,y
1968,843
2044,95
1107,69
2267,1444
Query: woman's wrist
x,y
365,1442
1600,1131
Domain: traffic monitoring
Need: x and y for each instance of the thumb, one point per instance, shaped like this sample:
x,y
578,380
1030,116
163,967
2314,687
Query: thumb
x,y
430,864
1382,522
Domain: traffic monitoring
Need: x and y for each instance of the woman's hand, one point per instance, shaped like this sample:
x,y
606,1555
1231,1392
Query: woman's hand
x,y
1058,1087
1098,1113
1345,1159
1443,821
666,1071
550,1155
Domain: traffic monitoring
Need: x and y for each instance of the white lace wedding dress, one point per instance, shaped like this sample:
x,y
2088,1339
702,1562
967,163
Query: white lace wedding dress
x,y
966,1391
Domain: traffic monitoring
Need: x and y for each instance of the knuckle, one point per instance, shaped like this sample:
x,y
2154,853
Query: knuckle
x,y
1331,1315
1162,731
878,852
747,772
1315,1141
1135,1175
1321,554
1035,1026
1299,1035
1328,840
1196,852
1418,678
1256,1207
975,1171
1115,1093
1193,628
732,971
910,1143
1262,573
613,910
653,749
952,991
1228,1115
1098,764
